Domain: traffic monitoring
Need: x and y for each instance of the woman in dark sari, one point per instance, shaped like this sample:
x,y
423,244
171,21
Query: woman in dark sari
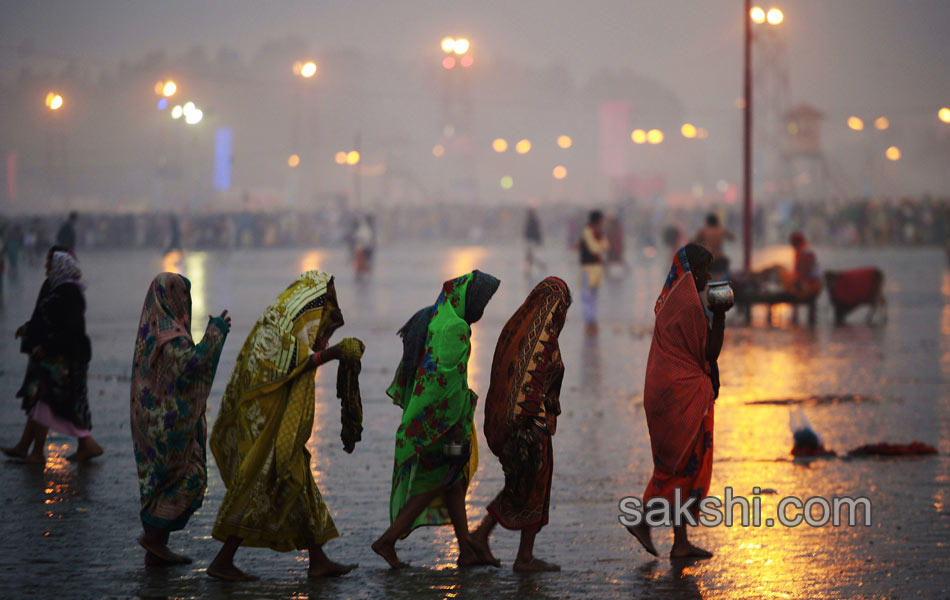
x,y
521,411
54,388
431,388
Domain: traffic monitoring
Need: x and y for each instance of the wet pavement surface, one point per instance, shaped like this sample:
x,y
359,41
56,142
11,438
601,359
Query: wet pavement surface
x,y
70,530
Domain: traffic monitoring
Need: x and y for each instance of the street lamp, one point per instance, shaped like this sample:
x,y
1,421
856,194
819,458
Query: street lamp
x,y
944,114
757,15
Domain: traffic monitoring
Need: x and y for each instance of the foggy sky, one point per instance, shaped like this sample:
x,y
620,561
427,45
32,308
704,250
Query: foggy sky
x,y
876,56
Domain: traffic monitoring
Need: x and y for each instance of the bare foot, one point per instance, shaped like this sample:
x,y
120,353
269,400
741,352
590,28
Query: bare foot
x,y
229,573
688,550
642,533
91,450
14,452
154,560
535,565
388,552
330,569
162,553
478,553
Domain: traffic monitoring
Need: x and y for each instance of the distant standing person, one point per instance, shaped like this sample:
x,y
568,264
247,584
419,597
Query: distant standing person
x,y
593,250
712,236
66,236
171,380
534,239
54,389
521,411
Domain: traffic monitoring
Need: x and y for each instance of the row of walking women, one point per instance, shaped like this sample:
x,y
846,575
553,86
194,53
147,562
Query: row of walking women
x,y
266,416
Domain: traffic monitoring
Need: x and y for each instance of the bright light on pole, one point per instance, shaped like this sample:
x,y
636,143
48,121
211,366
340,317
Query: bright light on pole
x,y
499,145
893,153
54,101
523,146
293,160
638,136
559,172
757,14
308,69
177,111
460,46
855,123
944,114
169,89
688,130
352,157
194,117
340,158
774,16
564,142
881,123
448,45
654,136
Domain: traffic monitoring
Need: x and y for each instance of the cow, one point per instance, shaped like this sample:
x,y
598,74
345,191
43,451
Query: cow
x,y
850,289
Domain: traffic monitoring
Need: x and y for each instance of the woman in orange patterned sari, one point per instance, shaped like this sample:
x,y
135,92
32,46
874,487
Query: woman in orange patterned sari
x,y
521,412
682,383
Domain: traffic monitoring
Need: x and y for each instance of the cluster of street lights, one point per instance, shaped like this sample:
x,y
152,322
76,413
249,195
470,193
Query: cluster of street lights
x,y
165,90
305,68
772,16
523,146
882,123
344,157
456,52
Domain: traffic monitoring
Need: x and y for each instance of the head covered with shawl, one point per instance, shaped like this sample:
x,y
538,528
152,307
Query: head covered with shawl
x,y
678,392
63,268
477,289
166,315
527,369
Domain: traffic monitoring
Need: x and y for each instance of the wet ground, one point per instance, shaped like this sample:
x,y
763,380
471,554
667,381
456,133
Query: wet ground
x,y
70,531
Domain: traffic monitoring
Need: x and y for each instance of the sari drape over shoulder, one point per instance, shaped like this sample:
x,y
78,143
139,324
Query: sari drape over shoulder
x,y
678,392
171,381
266,417
57,377
436,400
522,405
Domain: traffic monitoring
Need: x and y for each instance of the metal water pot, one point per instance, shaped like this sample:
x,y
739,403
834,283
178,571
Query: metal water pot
x,y
720,295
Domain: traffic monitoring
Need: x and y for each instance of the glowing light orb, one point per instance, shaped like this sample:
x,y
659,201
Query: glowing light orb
x,y
308,69
774,16
448,63
162,104
438,150
944,114
564,141
893,153
340,158
881,123
467,61
499,145
638,136
177,111
54,101
855,123
654,136
757,14
448,45
169,89
293,160
507,182
523,146
460,46
688,130
352,157
194,117
559,172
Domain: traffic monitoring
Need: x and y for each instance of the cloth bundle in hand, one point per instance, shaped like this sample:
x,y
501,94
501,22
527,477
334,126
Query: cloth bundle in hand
x,y
348,391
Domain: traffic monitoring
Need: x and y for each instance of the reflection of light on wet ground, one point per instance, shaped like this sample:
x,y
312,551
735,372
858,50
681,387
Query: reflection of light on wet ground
x,y
171,262
319,463
195,264
311,261
459,261
58,485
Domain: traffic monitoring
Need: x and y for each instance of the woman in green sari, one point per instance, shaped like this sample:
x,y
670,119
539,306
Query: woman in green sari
x,y
431,387
266,418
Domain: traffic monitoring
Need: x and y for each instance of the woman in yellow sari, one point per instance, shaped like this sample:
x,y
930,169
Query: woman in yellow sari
x,y
260,435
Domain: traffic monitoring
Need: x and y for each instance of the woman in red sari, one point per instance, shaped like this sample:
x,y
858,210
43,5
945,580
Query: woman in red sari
x,y
682,383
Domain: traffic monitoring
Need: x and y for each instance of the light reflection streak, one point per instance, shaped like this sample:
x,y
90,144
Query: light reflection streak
x,y
318,463
311,261
195,264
